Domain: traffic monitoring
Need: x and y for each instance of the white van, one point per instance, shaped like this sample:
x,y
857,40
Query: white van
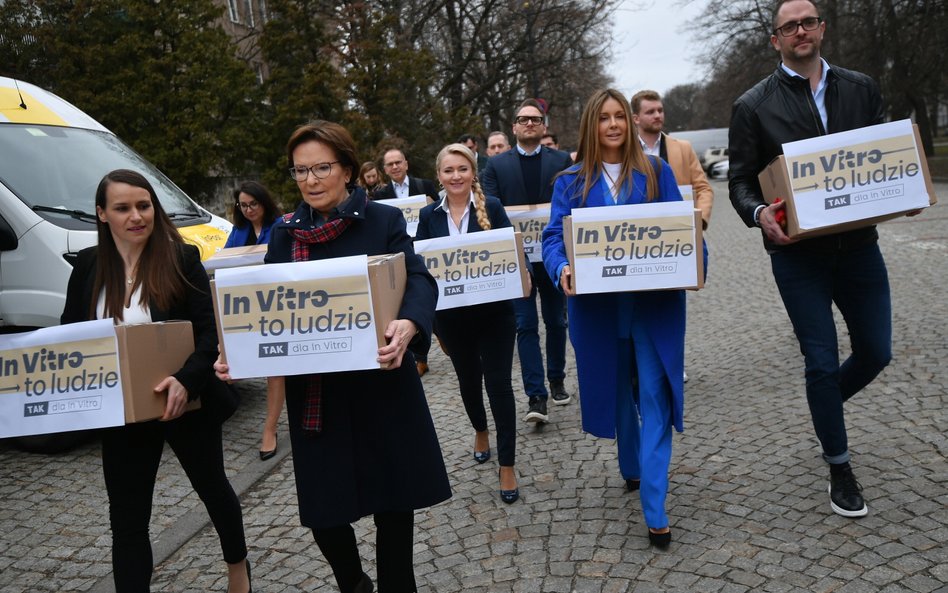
x,y
52,157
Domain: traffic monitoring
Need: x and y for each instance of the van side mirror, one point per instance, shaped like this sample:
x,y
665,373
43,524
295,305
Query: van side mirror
x,y
8,240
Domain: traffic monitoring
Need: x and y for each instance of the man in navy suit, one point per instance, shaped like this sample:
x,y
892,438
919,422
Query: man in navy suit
x,y
401,185
524,175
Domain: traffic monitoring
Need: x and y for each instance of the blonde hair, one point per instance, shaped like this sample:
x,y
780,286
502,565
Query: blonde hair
x,y
589,153
480,201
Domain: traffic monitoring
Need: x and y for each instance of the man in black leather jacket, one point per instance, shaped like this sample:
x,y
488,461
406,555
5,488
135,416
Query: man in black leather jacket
x,y
807,97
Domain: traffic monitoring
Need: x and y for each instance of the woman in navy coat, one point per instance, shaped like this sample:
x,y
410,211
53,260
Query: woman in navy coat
x,y
614,331
479,338
363,441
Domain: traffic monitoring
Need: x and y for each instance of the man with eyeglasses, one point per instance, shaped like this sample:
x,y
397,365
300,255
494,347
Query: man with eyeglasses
x,y
524,175
401,185
808,97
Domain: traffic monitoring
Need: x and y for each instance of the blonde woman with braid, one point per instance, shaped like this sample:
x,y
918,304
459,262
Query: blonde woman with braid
x,y
479,338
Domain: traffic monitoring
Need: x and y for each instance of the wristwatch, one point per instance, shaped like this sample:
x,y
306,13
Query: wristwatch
x,y
757,212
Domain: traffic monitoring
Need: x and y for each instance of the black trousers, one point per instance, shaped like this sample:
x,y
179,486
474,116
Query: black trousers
x,y
130,458
393,552
481,339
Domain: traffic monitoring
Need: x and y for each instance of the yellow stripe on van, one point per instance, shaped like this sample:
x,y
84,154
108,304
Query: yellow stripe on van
x,y
209,240
35,113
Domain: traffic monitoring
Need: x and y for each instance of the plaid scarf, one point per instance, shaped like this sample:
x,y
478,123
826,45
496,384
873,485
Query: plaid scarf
x,y
313,391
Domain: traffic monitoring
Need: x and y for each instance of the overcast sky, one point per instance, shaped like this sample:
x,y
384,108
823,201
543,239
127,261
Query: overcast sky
x,y
650,49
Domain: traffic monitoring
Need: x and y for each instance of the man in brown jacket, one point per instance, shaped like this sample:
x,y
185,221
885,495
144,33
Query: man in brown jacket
x,y
648,114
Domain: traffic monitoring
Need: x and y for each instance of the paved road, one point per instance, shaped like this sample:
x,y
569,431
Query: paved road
x,y
748,500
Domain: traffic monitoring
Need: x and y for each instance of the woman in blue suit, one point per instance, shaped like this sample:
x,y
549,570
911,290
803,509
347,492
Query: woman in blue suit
x,y
479,338
618,336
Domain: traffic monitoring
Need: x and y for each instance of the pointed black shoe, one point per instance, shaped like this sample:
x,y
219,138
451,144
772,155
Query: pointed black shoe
x,y
264,455
632,484
660,540
482,456
510,496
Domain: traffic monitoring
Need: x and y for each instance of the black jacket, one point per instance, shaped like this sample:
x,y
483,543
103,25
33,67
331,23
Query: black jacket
x,y
198,370
416,186
781,109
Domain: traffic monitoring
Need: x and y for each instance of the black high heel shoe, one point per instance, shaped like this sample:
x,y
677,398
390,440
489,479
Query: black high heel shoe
x,y
510,496
482,456
660,540
264,455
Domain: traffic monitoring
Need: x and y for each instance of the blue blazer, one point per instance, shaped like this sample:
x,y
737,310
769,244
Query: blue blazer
x,y
503,178
598,321
238,235
433,220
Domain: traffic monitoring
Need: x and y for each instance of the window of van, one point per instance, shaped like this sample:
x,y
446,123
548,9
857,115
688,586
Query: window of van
x,y
56,170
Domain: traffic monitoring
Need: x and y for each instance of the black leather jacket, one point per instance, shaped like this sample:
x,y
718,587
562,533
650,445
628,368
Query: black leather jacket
x,y
780,109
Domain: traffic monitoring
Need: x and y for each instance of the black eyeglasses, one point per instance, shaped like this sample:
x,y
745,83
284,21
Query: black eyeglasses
x,y
809,23
248,205
319,171
529,119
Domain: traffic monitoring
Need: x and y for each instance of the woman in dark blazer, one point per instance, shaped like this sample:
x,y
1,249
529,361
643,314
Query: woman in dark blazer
x,y
478,338
142,271
363,441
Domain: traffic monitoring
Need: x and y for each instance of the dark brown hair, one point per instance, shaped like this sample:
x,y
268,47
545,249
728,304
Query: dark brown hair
x,y
332,135
159,269
262,196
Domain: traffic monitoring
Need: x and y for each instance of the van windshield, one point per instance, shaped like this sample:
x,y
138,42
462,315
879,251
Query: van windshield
x,y
56,171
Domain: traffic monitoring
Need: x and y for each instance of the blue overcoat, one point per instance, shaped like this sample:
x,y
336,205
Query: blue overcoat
x,y
598,321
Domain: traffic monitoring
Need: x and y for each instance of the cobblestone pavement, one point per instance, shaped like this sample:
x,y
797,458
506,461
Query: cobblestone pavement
x,y
747,502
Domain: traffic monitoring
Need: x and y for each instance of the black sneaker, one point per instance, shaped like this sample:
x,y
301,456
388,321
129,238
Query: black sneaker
x,y
846,494
537,410
558,393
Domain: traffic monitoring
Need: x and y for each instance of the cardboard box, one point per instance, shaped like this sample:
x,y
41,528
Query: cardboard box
x,y
530,220
680,264
849,180
476,268
149,352
387,279
411,208
233,257
337,291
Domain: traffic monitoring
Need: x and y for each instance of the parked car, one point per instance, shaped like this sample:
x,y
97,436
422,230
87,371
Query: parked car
x,y
52,156
719,169
713,155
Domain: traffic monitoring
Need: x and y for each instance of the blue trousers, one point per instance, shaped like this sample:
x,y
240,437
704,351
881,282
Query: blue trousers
x,y
853,277
553,307
644,422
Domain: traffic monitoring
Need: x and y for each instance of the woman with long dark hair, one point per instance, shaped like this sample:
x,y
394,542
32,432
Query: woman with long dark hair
x,y
363,441
620,336
142,271
479,338
254,213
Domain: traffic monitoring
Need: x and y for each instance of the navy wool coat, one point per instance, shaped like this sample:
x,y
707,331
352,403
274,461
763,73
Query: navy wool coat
x,y
378,450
